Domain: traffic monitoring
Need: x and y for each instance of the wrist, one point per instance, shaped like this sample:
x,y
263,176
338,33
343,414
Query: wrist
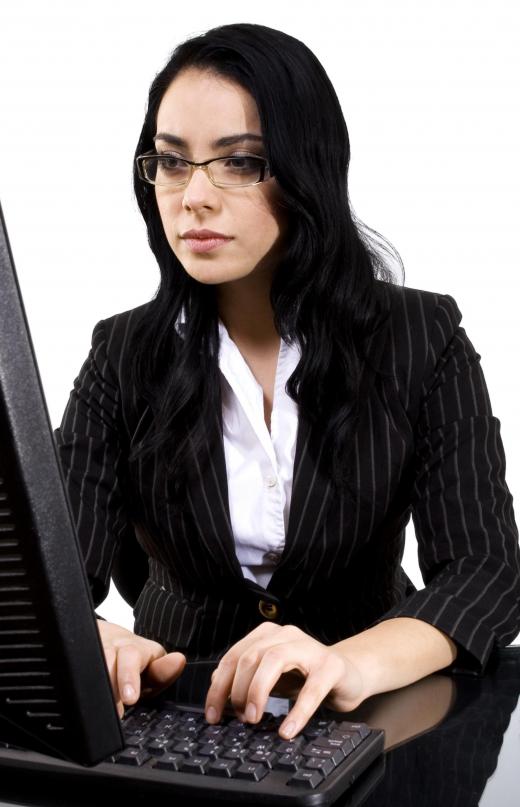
x,y
357,652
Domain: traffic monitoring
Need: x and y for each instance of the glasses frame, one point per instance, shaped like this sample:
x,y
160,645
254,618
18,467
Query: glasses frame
x,y
205,166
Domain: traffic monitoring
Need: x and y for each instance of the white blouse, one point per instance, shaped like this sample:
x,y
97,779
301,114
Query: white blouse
x,y
259,465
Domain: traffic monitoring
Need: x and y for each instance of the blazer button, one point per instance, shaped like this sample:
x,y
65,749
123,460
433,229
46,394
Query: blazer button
x,y
268,609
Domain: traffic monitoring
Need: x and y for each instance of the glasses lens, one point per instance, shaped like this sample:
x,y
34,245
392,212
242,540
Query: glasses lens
x,y
237,170
165,170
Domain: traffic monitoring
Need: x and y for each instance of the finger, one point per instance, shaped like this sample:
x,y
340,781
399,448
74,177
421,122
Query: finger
x,y
321,668
110,659
161,673
248,664
244,674
275,661
130,661
222,678
320,681
220,689
120,709
245,671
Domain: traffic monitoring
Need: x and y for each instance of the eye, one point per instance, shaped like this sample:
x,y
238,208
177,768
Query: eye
x,y
242,163
169,163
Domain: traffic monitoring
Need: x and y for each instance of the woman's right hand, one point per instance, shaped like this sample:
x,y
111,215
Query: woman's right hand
x,y
137,666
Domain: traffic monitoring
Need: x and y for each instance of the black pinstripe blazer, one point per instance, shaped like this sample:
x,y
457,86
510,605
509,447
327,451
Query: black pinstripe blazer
x,y
427,445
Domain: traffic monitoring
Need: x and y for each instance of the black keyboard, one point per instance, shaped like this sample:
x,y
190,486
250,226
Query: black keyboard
x,y
243,761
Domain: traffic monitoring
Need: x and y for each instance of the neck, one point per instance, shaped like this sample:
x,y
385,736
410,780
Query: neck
x,y
245,309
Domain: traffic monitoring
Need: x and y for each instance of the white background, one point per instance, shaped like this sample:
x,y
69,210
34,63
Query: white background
x,y
430,95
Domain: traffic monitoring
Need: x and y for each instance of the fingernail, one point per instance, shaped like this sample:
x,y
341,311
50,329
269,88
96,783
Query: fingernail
x,y
288,729
128,692
250,712
211,714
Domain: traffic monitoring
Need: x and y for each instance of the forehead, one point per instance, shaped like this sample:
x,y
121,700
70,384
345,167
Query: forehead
x,y
199,101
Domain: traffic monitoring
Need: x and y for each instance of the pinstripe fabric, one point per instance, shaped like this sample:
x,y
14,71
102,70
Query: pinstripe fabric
x,y
427,446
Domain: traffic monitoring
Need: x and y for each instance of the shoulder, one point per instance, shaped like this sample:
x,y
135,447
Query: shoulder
x,y
419,319
419,304
117,328
112,336
422,327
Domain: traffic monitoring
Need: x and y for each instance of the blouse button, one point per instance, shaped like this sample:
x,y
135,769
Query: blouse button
x,y
271,481
272,557
268,609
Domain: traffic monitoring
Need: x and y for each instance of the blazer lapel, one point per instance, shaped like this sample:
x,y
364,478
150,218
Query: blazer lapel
x,y
207,497
311,497
209,503
313,491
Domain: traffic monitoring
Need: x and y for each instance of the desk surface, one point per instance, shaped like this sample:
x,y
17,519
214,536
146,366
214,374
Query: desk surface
x,y
452,741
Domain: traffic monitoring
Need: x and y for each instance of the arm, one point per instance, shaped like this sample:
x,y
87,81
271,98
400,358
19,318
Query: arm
x,y
461,506
387,656
89,447
468,552
396,653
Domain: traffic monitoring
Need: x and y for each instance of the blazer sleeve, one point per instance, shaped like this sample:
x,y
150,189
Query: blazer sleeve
x,y
89,447
462,509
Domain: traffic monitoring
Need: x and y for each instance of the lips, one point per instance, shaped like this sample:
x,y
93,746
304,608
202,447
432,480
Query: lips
x,y
204,240
203,234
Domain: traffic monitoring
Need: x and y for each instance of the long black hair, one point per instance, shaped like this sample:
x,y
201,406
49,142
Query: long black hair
x,y
327,290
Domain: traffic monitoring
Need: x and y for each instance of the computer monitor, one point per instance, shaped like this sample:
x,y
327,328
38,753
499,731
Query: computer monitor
x,y
55,693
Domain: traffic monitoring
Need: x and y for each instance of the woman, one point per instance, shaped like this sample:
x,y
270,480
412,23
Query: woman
x,y
267,424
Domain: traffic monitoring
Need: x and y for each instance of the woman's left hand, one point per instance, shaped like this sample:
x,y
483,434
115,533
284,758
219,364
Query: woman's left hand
x,y
250,669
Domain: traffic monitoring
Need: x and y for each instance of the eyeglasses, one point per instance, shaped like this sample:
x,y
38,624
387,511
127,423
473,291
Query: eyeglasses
x,y
238,170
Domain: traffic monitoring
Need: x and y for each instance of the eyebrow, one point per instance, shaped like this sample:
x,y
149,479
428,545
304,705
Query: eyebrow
x,y
229,140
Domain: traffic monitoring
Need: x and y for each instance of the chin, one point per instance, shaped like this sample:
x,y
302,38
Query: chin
x,y
212,276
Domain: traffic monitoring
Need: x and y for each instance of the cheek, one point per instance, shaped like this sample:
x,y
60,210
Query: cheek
x,y
262,218
168,215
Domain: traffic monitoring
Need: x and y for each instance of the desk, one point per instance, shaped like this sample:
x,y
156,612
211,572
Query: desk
x,y
452,741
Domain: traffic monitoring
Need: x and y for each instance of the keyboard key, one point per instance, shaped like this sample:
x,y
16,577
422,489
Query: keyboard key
x,y
236,723
353,736
132,756
193,720
326,766
183,737
251,772
290,762
210,750
135,740
361,728
261,745
170,762
335,754
212,731
223,767
157,747
162,727
289,747
239,731
186,749
344,745
307,779
144,716
265,757
195,764
232,742
234,753
265,737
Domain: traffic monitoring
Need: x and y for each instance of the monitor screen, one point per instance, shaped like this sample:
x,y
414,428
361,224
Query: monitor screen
x,y
55,693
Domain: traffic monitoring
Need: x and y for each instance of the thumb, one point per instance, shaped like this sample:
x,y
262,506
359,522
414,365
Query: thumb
x,y
161,672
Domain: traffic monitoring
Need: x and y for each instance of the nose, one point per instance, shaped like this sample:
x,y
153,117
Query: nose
x,y
200,191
